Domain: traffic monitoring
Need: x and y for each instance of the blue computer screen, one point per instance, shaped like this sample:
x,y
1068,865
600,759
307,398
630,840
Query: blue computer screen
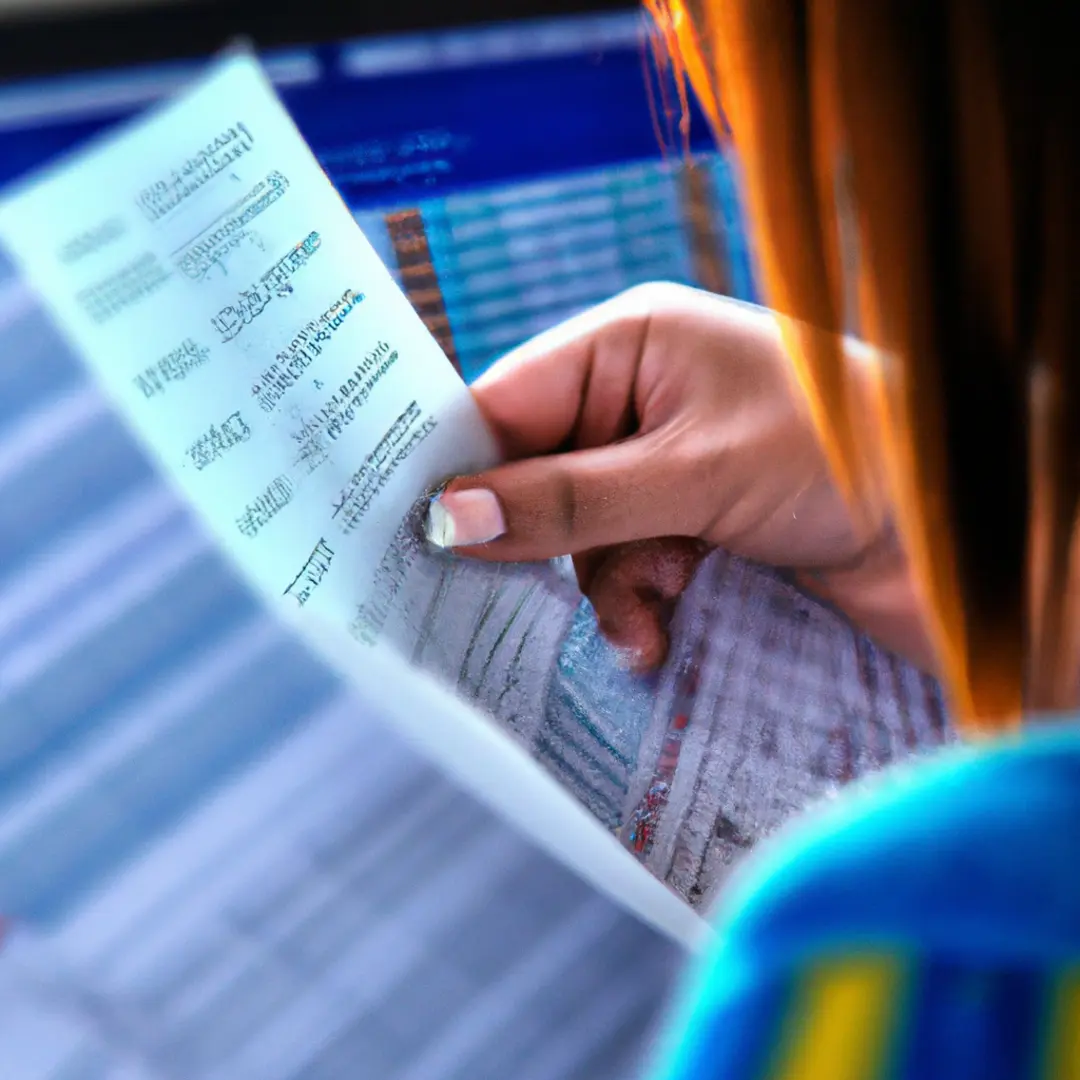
x,y
539,160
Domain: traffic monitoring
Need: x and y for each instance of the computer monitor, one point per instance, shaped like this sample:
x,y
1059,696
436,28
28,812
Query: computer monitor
x,y
530,167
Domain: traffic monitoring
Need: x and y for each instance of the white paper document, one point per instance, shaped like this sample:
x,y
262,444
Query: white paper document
x,y
212,279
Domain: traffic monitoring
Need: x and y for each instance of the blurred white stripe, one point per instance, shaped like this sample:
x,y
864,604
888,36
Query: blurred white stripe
x,y
528,39
166,703
17,299
292,69
240,834
77,556
56,101
31,658
381,960
594,1024
508,998
41,431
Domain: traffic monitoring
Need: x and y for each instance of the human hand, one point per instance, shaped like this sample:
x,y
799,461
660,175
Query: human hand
x,y
644,432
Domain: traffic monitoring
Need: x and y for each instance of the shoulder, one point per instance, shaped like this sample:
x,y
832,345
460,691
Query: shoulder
x,y
961,851
935,904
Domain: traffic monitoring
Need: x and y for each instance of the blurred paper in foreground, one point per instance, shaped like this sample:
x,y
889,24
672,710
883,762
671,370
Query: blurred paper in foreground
x,y
205,269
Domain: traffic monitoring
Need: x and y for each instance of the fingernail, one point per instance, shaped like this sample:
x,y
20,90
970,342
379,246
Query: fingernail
x,y
463,518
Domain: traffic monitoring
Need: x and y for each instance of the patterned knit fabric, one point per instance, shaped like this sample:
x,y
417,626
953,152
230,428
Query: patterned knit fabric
x,y
925,927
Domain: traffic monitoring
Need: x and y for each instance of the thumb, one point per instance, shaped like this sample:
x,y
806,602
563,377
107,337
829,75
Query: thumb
x,y
564,504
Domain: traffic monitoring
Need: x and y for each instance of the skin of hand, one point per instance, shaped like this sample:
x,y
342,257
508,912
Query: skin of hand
x,y
648,430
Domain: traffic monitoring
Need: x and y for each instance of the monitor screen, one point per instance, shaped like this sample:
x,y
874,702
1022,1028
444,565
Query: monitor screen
x,y
532,168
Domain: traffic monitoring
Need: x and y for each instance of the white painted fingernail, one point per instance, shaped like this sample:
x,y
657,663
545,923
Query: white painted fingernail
x,y
464,518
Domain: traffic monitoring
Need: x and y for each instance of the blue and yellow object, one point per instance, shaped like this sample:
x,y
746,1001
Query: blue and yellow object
x,y
926,926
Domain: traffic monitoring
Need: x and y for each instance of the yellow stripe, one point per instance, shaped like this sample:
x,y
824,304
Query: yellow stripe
x,y
842,1020
1063,1049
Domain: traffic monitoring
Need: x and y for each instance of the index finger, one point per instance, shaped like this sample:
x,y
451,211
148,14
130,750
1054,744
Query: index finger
x,y
572,384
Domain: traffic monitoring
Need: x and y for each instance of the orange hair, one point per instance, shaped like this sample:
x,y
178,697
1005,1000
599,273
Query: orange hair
x,y
945,134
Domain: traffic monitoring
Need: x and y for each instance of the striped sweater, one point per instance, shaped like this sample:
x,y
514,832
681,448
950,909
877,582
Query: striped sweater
x,y
926,926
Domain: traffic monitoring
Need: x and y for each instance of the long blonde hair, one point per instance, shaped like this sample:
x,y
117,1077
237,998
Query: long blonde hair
x,y
943,137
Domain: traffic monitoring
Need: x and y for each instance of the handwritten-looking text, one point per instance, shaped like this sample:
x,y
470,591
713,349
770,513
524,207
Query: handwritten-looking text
x,y
92,240
120,290
214,443
174,366
318,430
402,438
196,259
275,282
166,195
291,363
393,570
312,573
270,502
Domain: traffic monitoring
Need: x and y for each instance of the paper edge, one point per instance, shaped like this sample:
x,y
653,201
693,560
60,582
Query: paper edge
x,y
474,752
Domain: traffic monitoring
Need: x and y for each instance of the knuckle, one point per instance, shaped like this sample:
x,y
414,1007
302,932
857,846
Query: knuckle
x,y
650,297
566,505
